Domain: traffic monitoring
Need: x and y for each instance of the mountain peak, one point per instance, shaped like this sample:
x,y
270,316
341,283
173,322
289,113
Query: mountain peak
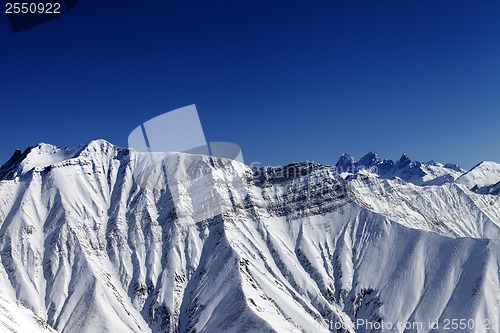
x,y
99,146
370,159
45,154
347,157
404,160
345,163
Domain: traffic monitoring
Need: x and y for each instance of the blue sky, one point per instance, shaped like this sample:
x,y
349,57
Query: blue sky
x,y
286,80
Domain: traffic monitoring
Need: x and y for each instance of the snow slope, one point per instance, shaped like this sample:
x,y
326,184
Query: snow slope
x,y
482,175
16,318
96,239
450,210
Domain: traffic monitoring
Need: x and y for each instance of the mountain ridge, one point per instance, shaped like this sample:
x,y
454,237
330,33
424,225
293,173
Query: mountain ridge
x,y
99,241
345,164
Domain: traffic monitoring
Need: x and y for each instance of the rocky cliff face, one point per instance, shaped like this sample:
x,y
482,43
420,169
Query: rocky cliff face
x,y
103,239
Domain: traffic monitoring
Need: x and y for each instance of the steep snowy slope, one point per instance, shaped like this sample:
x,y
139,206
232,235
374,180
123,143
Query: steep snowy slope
x,y
450,210
16,318
98,239
482,175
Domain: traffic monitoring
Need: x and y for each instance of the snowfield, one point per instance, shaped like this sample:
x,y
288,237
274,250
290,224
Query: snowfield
x,y
104,239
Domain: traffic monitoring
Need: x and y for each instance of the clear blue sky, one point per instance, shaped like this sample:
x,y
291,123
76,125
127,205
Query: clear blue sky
x,y
286,80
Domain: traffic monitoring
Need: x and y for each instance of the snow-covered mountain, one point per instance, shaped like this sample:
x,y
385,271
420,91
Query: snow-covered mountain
x,y
418,173
483,175
97,239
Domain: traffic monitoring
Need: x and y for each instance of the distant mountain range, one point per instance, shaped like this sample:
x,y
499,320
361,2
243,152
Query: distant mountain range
x,y
483,175
97,239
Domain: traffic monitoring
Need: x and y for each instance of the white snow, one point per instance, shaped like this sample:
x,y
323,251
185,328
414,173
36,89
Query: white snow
x,y
17,318
483,174
105,241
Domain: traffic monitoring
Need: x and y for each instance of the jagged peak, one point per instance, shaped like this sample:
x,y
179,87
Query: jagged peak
x,y
16,156
370,159
413,171
372,154
345,163
404,161
347,157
